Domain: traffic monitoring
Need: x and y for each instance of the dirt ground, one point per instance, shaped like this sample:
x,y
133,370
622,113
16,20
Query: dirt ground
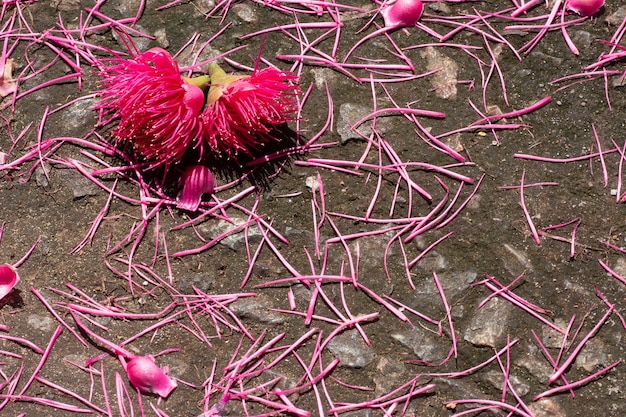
x,y
212,309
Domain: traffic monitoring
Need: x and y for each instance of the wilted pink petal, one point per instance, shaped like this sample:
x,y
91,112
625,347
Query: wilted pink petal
x,y
197,180
7,83
241,110
8,279
402,13
159,110
584,7
147,377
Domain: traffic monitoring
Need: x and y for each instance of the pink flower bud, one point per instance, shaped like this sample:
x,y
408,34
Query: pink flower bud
x,y
402,13
8,279
147,377
584,7
197,180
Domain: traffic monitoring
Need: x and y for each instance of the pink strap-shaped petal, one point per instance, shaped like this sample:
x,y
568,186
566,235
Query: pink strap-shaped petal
x,y
197,181
8,279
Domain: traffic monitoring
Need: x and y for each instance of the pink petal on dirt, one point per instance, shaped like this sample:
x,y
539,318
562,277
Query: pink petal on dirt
x,y
197,181
147,377
8,279
585,7
402,13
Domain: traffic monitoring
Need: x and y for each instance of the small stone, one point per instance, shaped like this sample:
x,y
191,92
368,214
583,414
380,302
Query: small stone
x,y
550,337
593,356
204,7
41,323
42,174
489,324
496,378
620,267
433,261
533,361
349,114
312,183
323,77
142,43
65,5
388,376
445,79
351,350
517,262
547,407
616,18
245,12
235,240
80,114
161,37
79,185
427,345
256,308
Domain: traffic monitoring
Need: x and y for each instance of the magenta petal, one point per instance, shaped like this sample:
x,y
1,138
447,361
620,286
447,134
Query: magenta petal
x,y
585,7
193,98
8,279
197,181
147,377
402,13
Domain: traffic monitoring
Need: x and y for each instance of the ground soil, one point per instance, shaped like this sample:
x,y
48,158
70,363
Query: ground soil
x,y
491,235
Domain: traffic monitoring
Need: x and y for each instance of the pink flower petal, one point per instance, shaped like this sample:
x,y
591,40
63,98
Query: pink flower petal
x,y
147,377
402,13
8,279
584,7
197,181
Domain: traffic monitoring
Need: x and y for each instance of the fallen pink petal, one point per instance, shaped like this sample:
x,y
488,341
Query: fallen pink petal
x,y
402,13
146,376
8,279
196,181
585,8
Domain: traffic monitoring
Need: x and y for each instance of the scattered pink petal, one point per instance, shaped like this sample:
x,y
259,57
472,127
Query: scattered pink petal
x,y
147,377
197,181
159,110
8,279
241,110
402,13
584,7
7,83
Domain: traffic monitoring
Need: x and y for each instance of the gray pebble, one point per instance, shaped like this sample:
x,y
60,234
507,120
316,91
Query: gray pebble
x,y
351,350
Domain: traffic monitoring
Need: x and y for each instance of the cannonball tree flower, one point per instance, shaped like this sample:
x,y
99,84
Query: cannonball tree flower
x,y
8,279
241,110
158,109
584,8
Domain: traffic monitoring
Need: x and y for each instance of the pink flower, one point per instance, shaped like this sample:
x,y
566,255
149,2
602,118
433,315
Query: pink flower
x,y
402,13
8,279
147,377
584,7
197,181
241,110
159,110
